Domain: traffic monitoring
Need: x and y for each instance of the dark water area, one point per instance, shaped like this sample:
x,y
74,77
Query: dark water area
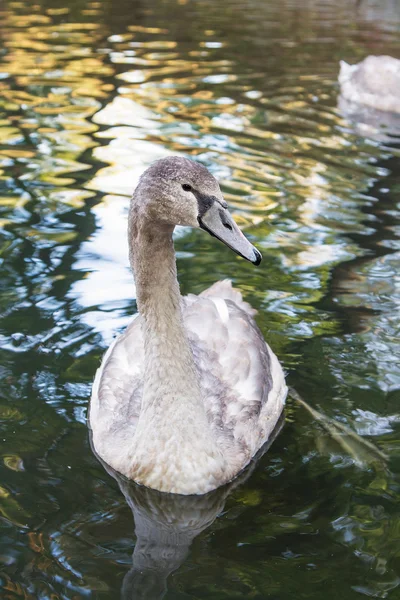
x,y
90,94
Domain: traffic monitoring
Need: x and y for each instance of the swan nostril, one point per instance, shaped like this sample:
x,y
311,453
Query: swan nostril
x,y
224,220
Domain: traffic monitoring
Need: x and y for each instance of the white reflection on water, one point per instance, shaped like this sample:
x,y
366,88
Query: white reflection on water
x,y
369,423
108,285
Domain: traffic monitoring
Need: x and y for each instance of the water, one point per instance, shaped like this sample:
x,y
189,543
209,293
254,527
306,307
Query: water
x,y
91,92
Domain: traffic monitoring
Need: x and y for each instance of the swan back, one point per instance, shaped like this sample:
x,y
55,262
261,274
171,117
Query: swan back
x,y
374,82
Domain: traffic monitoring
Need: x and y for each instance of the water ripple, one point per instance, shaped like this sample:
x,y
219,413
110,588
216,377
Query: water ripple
x,y
91,94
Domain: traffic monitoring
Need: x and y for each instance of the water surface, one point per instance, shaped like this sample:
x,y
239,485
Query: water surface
x,y
91,93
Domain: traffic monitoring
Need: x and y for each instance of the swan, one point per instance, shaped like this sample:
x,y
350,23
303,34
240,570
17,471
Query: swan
x,y
374,82
190,391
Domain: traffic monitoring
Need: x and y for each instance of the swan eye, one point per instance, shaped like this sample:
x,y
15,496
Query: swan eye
x,y
186,187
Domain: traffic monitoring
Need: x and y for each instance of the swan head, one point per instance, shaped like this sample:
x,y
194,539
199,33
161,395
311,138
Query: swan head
x,y
179,191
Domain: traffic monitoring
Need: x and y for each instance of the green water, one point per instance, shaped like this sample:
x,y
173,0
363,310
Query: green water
x,y
90,94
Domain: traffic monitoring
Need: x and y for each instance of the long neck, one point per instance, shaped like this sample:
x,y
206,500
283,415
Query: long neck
x,y
169,366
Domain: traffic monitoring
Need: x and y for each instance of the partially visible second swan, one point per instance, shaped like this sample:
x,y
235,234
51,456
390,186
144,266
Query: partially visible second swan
x,y
374,82
188,394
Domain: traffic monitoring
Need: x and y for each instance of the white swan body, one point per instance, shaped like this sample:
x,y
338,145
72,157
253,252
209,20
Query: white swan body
x,y
188,394
374,82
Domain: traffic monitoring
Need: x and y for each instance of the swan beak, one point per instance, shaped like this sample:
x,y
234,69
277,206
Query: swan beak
x,y
218,222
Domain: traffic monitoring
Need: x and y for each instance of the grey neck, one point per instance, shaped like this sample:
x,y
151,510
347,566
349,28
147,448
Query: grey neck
x,y
169,366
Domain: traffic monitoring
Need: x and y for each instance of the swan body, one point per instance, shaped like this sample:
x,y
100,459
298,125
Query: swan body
x,y
374,82
190,391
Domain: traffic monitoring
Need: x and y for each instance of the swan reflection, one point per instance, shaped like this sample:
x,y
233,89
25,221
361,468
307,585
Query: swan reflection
x,y
369,122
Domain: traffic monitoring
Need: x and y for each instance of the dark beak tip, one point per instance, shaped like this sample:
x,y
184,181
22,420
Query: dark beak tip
x,y
257,257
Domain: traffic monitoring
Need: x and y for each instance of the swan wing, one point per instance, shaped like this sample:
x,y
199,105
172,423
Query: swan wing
x,y
243,384
116,395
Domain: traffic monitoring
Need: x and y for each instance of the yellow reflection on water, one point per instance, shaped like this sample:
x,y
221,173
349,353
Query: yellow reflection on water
x,y
52,79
